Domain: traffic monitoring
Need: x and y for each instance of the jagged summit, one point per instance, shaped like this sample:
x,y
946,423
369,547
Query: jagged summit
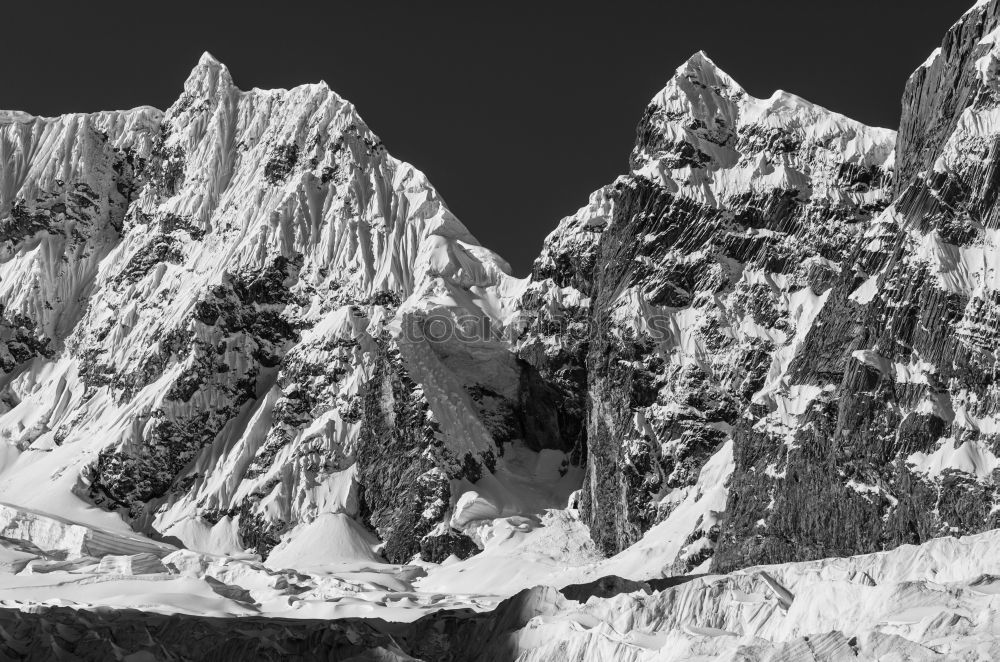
x,y
207,59
208,79
211,74
701,64
701,68
708,90
709,140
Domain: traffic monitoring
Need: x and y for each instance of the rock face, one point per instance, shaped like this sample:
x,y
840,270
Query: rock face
x,y
898,443
696,278
772,339
812,299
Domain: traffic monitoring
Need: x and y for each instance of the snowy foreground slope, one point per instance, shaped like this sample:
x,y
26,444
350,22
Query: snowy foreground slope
x,y
251,366
936,601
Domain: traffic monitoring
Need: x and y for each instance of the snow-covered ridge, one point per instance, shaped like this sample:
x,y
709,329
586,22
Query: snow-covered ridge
x,y
714,141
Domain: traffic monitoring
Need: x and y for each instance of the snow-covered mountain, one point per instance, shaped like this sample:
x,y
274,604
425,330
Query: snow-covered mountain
x,y
736,410
699,274
215,322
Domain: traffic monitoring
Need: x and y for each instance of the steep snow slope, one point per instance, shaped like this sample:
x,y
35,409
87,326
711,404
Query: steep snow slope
x,y
65,186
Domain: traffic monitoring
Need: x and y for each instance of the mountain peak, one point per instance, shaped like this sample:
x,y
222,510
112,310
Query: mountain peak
x,y
207,77
700,59
209,60
702,68
700,89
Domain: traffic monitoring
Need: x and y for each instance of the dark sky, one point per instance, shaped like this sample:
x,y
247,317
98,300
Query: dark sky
x,y
515,110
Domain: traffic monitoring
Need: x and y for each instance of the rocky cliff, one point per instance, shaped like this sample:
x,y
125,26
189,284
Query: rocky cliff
x,y
699,275
800,296
897,441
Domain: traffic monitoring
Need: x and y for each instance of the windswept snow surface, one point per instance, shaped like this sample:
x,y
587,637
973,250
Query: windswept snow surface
x,y
935,601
